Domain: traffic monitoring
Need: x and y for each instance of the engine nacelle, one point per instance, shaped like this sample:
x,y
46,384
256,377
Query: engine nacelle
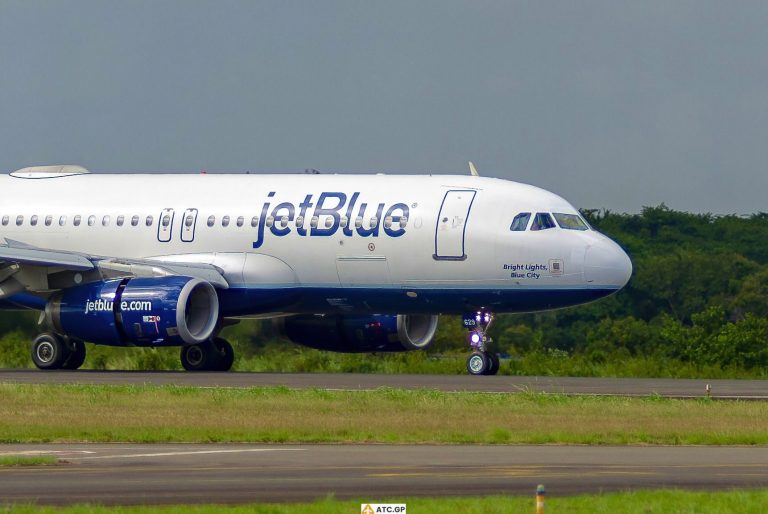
x,y
137,311
360,334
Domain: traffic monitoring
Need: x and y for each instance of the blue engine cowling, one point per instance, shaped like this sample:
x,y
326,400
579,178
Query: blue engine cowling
x,y
360,334
137,311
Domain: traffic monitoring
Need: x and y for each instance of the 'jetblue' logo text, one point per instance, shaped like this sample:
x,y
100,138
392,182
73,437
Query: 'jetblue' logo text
x,y
333,207
102,305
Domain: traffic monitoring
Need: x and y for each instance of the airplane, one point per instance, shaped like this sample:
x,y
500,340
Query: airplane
x,y
345,263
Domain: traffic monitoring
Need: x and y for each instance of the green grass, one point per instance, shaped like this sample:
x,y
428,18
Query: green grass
x,y
46,413
27,460
259,352
642,502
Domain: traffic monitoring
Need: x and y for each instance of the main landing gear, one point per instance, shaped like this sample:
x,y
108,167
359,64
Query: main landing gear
x,y
214,355
51,351
480,361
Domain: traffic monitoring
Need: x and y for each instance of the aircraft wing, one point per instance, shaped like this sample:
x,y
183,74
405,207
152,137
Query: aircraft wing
x,y
35,257
24,267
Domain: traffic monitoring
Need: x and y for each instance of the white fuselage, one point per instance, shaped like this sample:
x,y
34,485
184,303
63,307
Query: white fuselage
x,y
327,242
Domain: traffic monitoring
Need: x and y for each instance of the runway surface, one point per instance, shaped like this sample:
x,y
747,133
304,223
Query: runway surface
x,y
181,473
673,388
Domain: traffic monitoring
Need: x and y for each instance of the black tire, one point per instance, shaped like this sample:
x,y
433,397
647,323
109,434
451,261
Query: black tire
x,y
494,363
197,357
76,356
49,351
225,354
477,363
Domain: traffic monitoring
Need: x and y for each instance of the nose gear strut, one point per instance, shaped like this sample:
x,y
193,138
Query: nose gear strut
x,y
480,361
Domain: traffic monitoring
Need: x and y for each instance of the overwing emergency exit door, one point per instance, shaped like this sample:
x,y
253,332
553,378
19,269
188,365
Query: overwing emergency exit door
x,y
188,225
452,225
165,226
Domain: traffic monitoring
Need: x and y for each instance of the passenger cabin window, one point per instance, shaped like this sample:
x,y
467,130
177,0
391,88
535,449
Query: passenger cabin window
x,y
225,221
149,221
76,220
33,220
166,220
255,221
91,220
120,220
105,221
134,221
188,221
19,220
6,219
570,221
542,221
520,222
240,221
62,221
211,220
48,220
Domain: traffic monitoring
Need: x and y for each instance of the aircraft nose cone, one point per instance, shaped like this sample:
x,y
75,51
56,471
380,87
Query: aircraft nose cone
x,y
607,264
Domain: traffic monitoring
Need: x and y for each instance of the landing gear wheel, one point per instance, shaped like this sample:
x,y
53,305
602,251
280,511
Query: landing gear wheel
x,y
493,368
49,351
478,363
197,357
76,356
225,355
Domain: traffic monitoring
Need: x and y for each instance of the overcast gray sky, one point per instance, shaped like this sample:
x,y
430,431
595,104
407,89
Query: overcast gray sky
x,y
609,104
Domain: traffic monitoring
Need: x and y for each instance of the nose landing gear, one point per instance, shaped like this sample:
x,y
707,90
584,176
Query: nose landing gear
x,y
480,361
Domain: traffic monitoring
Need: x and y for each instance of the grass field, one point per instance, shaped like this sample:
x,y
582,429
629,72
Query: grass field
x,y
642,502
46,413
27,460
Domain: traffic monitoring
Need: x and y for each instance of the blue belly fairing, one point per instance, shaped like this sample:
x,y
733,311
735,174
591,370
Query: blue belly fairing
x,y
387,300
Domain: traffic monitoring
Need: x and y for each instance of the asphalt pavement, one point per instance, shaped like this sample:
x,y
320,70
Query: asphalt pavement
x,y
235,473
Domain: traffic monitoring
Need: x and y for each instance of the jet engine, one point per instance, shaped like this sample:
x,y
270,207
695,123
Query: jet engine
x,y
360,334
137,311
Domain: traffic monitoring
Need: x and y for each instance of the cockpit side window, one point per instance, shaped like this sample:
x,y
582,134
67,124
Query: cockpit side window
x,y
542,221
520,222
570,221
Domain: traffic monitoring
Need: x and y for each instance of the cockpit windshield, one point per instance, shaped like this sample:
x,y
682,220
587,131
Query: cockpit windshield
x,y
520,222
570,221
542,221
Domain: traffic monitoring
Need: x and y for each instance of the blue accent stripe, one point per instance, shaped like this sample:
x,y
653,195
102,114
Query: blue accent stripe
x,y
244,301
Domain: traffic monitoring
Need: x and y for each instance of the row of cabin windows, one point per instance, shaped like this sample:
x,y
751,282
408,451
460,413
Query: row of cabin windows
x,y
314,221
190,220
76,220
544,221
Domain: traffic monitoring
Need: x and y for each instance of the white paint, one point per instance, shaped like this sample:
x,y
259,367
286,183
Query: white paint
x,y
197,452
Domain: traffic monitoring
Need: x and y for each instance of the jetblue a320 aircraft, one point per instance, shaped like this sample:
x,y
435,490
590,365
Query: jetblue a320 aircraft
x,y
348,263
